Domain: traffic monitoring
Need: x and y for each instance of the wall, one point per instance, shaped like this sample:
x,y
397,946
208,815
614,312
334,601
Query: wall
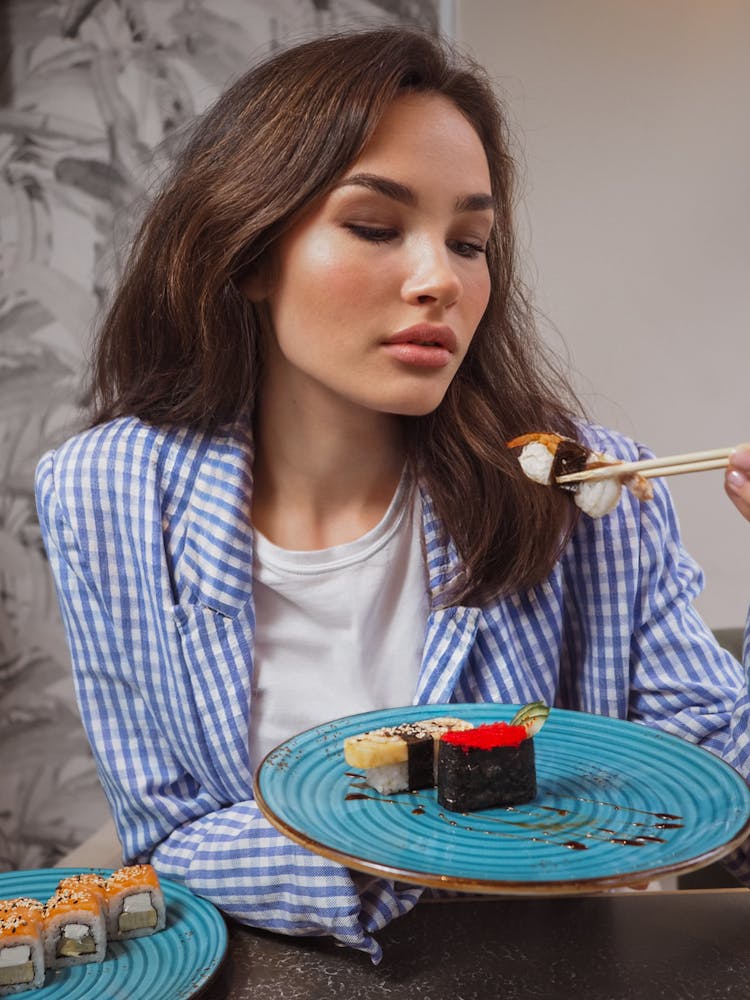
x,y
88,90
634,121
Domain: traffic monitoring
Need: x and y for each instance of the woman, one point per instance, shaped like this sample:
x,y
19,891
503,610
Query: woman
x,y
295,500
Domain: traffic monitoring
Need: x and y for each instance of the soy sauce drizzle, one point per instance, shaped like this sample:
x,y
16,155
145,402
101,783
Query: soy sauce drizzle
x,y
546,836
630,809
529,824
375,798
554,809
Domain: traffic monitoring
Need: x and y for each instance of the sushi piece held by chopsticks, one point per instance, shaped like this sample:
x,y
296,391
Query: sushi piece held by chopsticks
x,y
554,460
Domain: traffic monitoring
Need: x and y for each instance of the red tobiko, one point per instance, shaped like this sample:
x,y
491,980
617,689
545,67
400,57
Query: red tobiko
x,y
487,737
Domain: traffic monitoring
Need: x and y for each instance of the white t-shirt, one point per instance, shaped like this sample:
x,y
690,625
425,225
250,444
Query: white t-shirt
x,y
338,630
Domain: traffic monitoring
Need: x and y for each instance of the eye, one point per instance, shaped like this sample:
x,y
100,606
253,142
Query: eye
x,y
467,248
373,234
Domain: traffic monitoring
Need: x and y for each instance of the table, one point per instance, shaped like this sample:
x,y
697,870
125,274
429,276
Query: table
x,y
672,945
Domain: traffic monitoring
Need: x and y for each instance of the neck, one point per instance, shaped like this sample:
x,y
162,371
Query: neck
x,y
324,474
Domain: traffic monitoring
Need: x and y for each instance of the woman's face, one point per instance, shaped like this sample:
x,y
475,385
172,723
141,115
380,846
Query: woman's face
x,y
378,289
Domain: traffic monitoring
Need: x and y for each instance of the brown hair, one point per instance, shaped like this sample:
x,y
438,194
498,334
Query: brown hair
x,y
181,344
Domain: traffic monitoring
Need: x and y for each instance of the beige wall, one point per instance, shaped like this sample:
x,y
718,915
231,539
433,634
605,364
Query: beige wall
x,y
633,115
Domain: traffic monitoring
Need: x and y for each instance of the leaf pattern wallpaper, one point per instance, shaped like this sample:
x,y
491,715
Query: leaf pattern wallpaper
x,y
90,93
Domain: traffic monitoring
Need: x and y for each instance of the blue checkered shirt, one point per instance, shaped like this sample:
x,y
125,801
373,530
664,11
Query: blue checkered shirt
x,y
149,538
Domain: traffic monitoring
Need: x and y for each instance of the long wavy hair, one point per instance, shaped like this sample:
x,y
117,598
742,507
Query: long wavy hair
x,y
181,344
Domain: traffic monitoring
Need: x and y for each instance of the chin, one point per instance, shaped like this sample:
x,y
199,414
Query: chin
x,y
416,407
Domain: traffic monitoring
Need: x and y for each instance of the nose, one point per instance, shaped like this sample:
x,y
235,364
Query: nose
x,y
431,276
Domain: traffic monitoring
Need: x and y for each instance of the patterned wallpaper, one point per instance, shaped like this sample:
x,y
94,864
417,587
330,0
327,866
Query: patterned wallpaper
x,y
90,93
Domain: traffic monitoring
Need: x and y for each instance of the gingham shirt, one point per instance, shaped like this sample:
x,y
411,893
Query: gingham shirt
x,y
149,538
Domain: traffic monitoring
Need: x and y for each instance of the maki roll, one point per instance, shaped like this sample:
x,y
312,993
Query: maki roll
x,y
400,758
21,945
75,929
492,765
88,882
73,926
135,903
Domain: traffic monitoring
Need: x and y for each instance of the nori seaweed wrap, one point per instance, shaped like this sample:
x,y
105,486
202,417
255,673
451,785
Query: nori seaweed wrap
x,y
492,765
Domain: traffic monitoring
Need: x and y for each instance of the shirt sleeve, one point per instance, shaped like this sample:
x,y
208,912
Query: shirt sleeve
x,y
227,853
681,679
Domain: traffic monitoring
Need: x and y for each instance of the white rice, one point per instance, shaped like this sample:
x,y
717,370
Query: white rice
x,y
536,461
599,497
388,778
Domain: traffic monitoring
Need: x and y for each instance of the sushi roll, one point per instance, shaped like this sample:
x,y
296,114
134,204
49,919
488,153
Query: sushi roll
x,y
21,945
88,882
136,903
400,758
492,765
75,928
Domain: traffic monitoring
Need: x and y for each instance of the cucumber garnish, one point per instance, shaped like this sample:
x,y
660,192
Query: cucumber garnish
x,y
532,717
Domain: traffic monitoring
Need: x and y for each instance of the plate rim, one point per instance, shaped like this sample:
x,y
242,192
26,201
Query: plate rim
x,y
484,886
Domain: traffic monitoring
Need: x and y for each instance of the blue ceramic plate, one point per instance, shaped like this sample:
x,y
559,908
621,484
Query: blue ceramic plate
x,y
173,964
617,803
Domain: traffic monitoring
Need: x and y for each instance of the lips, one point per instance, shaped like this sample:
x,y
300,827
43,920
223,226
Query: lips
x,y
422,346
426,335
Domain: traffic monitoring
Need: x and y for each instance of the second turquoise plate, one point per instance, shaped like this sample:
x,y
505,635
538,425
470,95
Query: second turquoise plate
x,y
175,964
617,803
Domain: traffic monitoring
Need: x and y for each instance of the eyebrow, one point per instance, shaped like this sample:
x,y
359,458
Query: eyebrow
x,y
479,202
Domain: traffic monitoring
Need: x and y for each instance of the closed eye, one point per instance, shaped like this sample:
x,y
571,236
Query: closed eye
x,y
466,248
384,234
373,234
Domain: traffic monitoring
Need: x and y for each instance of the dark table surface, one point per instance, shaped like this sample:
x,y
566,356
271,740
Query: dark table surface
x,y
632,946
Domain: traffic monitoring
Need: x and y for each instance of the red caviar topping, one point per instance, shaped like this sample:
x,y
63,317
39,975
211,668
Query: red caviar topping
x,y
487,737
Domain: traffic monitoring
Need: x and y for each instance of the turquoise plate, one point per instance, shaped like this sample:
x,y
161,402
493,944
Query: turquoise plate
x,y
173,964
617,802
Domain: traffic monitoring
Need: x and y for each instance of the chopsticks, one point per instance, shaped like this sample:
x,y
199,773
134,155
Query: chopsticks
x,y
672,465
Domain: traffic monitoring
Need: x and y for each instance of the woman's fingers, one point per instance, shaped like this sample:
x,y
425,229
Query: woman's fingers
x,y
737,479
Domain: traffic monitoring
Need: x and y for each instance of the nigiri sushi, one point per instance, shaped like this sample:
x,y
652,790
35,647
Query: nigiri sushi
x,y
400,758
544,457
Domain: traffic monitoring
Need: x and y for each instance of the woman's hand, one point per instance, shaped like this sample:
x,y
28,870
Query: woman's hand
x,y
737,479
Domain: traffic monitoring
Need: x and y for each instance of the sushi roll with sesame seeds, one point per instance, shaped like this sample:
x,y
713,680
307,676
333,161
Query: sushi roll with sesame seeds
x,y
75,931
135,902
88,882
21,945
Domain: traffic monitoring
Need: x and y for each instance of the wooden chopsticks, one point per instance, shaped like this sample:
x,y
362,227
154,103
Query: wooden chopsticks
x,y
672,465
